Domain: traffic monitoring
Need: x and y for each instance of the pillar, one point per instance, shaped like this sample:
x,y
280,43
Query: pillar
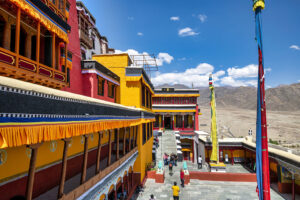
x,y
127,183
163,120
173,122
115,192
131,178
6,36
98,153
182,121
293,186
17,38
38,42
196,123
118,144
53,51
28,45
136,134
129,142
31,171
232,161
85,157
193,122
109,148
64,167
124,142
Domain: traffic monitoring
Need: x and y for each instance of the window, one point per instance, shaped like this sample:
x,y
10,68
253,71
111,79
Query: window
x,y
111,90
83,56
101,82
144,134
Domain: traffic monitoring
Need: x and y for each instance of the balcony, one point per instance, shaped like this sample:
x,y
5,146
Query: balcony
x,y
22,68
85,39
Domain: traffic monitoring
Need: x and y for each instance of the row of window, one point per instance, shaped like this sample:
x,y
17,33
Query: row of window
x,y
174,100
147,132
110,86
146,97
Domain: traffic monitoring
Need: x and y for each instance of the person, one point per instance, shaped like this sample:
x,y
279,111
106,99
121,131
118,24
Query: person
x,y
152,197
200,162
170,168
176,159
125,194
176,191
165,159
182,177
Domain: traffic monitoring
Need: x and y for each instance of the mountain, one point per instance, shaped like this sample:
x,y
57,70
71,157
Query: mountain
x,y
281,98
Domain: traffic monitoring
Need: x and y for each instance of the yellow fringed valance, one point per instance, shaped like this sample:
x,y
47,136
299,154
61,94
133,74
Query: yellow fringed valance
x,y
178,111
41,18
26,135
177,95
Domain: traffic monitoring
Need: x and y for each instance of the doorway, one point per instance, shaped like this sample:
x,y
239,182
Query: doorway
x,y
168,124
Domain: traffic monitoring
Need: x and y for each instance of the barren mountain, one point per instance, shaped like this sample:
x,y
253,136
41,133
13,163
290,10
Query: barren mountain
x,y
281,98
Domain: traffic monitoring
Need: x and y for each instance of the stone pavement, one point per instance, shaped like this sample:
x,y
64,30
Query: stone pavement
x,y
207,190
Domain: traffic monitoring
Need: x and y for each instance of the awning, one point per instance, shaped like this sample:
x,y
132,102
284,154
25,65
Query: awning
x,y
186,150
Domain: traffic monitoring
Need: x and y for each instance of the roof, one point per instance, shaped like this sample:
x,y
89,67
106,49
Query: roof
x,y
137,71
176,91
92,64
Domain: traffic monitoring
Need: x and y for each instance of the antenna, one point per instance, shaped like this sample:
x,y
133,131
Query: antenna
x,y
147,61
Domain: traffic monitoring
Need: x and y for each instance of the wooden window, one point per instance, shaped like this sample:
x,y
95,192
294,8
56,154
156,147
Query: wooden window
x,y
111,90
101,82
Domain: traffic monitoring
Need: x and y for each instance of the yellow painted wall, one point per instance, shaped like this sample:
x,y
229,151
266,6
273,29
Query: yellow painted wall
x,y
18,158
145,154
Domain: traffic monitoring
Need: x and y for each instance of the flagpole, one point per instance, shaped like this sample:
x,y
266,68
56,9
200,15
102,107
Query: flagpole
x,y
262,157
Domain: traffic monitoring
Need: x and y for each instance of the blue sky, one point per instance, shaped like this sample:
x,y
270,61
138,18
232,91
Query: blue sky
x,y
195,37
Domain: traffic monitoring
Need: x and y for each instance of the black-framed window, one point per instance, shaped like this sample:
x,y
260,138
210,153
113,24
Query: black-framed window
x,y
144,133
101,82
111,90
148,131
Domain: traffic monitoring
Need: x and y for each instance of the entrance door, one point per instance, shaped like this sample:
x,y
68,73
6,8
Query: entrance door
x,y
168,123
186,155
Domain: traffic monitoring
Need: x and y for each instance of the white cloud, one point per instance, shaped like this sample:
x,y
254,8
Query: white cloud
x,y
140,34
197,76
230,81
182,59
187,32
160,60
202,18
296,47
131,18
174,18
164,58
244,72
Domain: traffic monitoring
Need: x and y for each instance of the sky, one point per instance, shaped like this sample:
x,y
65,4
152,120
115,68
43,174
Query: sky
x,y
193,38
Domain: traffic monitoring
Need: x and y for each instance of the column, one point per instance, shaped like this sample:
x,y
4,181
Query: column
x,y
98,153
132,178
31,171
6,36
118,144
193,121
64,167
115,192
38,42
85,157
182,121
293,186
163,120
53,51
109,147
129,142
232,161
127,183
173,122
28,45
136,134
124,142
17,38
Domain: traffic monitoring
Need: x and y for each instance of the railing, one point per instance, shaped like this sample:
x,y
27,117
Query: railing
x,y
86,39
55,8
92,181
29,65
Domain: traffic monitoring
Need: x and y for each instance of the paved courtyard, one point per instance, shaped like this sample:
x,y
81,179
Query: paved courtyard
x,y
208,190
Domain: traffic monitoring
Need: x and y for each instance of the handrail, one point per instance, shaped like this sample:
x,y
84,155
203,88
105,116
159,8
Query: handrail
x,y
92,181
8,51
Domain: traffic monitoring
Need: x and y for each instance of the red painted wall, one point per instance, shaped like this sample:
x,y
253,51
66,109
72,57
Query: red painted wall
x,y
215,176
76,84
91,87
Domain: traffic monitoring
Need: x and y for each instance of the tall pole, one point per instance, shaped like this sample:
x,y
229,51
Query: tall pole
x,y
262,157
214,135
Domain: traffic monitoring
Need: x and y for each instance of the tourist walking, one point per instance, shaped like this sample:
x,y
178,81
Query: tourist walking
x,y
182,177
165,159
176,191
170,168
200,162
176,159
152,197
